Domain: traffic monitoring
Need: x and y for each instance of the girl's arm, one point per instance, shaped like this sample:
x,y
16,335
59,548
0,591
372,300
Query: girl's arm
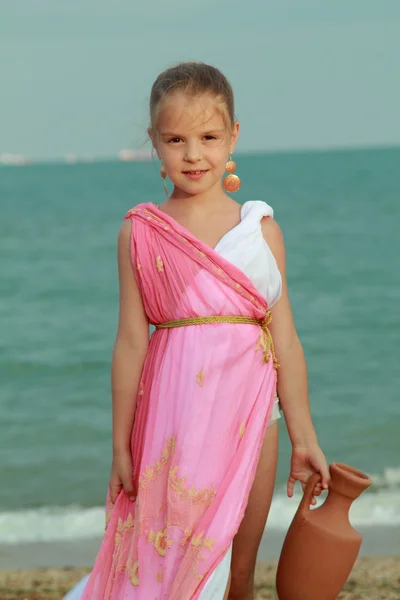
x,y
292,373
130,347
307,457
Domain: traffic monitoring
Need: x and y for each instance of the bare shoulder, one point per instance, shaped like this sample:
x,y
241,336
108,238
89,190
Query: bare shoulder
x,y
125,230
124,239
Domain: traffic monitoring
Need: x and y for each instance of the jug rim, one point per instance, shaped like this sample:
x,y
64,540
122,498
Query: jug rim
x,y
352,474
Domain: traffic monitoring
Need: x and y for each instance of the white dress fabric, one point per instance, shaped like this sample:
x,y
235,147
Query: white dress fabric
x,y
245,247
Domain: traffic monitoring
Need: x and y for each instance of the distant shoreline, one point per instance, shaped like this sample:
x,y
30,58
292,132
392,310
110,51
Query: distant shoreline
x,y
377,541
129,155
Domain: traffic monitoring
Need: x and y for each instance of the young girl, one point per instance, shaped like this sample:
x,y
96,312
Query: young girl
x,y
195,406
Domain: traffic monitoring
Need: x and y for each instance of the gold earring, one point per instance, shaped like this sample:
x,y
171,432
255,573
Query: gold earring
x,y
231,182
163,174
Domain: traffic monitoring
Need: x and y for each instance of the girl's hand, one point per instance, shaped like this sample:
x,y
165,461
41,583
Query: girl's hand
x,y
307,460
121,476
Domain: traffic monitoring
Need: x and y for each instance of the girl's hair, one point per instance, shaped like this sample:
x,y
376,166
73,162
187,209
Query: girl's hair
x,y
192,78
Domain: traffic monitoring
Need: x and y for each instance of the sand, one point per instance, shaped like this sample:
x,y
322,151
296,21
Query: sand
x,y
371,579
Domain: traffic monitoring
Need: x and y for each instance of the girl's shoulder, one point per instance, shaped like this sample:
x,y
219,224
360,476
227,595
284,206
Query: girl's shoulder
x,y
257,210
261,213
137,209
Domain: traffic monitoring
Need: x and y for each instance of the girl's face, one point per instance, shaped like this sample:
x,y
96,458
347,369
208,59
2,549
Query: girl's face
x,y
193,141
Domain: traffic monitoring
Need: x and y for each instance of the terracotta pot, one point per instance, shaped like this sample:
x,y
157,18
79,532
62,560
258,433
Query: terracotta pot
x,y
321,546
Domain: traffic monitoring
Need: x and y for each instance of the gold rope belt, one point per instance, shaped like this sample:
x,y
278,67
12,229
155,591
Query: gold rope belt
x,y
266,341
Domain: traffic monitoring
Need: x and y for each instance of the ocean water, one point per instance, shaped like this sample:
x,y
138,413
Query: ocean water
x,y
340,214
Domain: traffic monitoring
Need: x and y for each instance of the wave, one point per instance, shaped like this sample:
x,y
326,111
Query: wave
x,y
390,478
49,524
380,509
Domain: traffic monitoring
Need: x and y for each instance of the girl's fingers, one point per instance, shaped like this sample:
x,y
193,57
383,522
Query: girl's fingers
x,y
318,489
115,489
290,486
326,477
128,488
313,500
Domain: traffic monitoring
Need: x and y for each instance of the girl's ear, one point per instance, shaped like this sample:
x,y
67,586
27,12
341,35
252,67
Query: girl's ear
x,y
234,137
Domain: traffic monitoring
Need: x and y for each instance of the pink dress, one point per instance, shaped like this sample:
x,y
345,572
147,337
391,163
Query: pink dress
x,y
204,401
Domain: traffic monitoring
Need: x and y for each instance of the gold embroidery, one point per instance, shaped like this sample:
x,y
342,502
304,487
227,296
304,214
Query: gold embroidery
x,y
143,520
160,264
178,484
201,254
150,473
139,267
261,342
154,217
188,533
198,542
130,212
200,378
122,528
141,390
109,508
160,576
242,429
209,544
160,541
134,573
118,535
166,228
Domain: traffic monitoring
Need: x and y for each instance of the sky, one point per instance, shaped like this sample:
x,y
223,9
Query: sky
x,y
75,76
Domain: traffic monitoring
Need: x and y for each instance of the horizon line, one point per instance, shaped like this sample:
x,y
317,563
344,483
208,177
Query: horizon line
x,y
134,155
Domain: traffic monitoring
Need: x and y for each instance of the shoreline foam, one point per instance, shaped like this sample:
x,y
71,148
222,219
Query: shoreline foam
x,y
47,524
377,541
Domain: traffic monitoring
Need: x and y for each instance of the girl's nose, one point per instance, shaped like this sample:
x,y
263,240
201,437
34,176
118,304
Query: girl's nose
x,y
193,153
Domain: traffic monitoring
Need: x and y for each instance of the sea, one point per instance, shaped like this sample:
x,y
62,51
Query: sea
x,y
340,215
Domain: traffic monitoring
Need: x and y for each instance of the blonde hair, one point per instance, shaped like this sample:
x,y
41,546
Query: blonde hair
x,y
193,78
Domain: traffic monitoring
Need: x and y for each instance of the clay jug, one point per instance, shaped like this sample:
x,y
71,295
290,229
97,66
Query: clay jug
x,y
321,546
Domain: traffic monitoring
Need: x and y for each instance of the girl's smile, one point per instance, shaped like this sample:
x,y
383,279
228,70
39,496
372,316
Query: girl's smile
x,y
195,175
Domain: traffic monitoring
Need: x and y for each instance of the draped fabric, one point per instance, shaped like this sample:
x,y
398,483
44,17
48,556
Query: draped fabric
x,y
203,404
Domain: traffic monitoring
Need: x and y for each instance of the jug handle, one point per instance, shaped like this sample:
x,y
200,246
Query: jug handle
x,y
308,492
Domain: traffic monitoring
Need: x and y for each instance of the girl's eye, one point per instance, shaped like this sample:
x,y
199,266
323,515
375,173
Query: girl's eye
x,y
210,137
174,140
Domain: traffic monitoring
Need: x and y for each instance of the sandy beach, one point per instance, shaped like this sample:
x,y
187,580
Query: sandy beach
x,y
25,572
371,579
